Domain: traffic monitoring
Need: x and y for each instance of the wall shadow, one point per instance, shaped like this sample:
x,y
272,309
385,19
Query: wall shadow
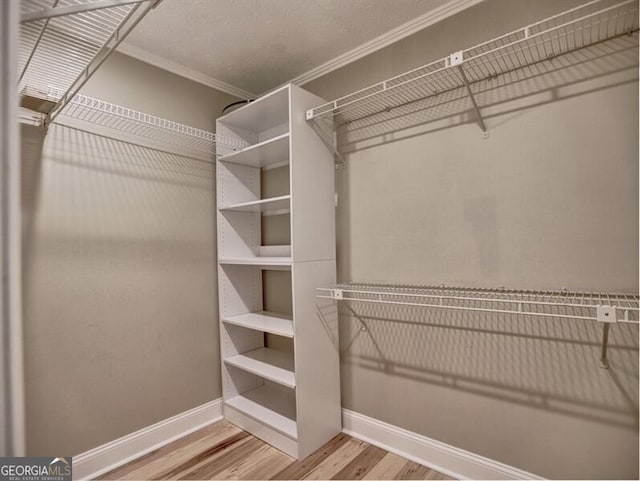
x,y
550,364
119,283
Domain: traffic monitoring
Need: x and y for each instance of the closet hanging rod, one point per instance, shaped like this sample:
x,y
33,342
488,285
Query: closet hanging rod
x,y
580,27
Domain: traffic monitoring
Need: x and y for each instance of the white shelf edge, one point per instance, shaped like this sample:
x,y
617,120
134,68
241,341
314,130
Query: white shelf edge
x,y
258,203
267,363
264,321
257,261
259,145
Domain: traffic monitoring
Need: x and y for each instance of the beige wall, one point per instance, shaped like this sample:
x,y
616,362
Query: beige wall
x,y
120,295
548,201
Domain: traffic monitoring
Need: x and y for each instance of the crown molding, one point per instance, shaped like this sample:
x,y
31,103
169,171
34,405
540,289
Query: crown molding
x,y
183,71
434,16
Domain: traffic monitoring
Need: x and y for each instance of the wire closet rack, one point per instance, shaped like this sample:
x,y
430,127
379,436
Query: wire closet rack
x,y
569,32
605,308
63,42
130,124
134,122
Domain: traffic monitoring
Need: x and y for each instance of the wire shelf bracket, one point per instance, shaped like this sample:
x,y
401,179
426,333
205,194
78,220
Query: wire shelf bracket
x,y
457,60
604,308
575,29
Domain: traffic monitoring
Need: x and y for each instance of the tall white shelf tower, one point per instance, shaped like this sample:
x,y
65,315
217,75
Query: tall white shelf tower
x,y
280,370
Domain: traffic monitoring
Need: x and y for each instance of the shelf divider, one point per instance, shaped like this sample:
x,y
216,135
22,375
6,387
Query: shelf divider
x,y
269,153
280,204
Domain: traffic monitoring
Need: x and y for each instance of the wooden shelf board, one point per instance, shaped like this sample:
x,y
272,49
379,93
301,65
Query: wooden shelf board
x,y
277,366
258,261
264,321
264,154
273,204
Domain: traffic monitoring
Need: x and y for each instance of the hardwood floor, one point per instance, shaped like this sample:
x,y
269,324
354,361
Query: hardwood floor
x,y
223,451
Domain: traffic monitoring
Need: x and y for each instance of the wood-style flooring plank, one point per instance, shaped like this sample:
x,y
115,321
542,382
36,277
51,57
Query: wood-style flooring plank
x,y
223,451
299,469
433,474
210,469
337,460
262,464
362,463
213,452
151,464
266,469
387,468
413,470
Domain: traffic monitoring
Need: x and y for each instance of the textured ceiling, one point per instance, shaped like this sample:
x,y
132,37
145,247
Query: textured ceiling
x,y
259,44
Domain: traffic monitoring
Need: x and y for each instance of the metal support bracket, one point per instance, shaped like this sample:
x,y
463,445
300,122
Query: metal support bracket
x,y
457,59
329,145
136,14
604,361
607,316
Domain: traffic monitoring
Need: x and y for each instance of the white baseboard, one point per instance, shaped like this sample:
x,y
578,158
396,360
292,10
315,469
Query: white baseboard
x,y
442,457
449,460
109,456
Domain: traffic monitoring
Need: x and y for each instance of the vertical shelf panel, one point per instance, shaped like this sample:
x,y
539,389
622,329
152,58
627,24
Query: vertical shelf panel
x,y
312,186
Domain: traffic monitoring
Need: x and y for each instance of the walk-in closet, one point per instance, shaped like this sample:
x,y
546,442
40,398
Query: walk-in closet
x,y
319,239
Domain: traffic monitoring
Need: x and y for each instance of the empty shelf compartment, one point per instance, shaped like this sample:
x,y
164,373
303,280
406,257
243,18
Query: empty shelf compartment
x,y
270,405
264,321
264,114
270,153
276,366
273,205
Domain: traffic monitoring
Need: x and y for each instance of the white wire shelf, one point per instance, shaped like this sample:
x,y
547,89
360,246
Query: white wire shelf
x,y
605,308
452,78
63,42
136,124
551,304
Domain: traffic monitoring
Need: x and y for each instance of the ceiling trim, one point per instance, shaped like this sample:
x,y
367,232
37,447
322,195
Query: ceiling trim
x,y
412,26
183,71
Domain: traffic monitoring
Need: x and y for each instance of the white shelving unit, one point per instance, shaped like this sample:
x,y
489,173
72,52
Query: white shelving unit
x,y
280,370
